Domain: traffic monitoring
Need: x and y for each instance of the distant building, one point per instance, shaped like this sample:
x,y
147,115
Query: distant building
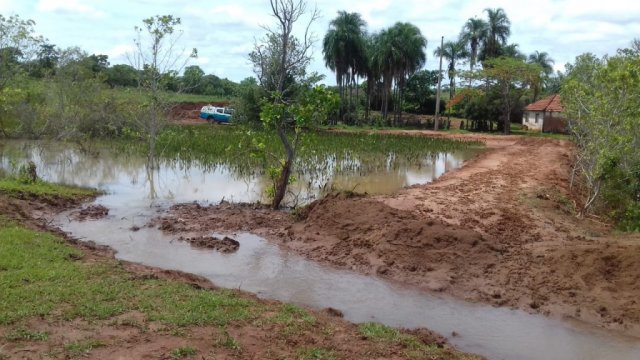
x,y
545,115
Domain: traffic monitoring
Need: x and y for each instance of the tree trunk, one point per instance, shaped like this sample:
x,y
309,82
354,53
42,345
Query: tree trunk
x,y
285,171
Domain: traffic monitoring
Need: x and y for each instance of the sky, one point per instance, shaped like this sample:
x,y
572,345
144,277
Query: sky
x,y
224,31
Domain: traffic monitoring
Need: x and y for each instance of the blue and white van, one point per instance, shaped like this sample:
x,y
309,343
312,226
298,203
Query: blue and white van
x,y
216,114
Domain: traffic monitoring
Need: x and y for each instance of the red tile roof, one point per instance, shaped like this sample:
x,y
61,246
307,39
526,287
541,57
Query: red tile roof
x,y
550,103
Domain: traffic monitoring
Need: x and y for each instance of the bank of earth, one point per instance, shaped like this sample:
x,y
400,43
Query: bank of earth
x,y
501,230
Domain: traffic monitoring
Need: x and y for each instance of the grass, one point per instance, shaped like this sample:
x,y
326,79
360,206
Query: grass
x,y
314,353
15,187
415,349
39,278
183,352
22,334
83,347
359,152
127,94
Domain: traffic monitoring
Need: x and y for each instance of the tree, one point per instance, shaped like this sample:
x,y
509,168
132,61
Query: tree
x,y
155,56
600,98
192,79
452,51
545,62
512,77
280,63
344,49
498,31
420,90
397,54
122,75
18,44
473,34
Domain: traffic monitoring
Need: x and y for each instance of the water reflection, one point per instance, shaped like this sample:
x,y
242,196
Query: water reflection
x,y
178,181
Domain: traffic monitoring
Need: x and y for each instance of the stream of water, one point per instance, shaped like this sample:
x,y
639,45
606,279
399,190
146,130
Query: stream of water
x,y
264,269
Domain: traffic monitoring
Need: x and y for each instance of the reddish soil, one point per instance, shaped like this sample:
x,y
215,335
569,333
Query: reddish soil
x,y
500,230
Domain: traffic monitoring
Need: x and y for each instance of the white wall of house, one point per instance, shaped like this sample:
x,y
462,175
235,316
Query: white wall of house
x,y
533,120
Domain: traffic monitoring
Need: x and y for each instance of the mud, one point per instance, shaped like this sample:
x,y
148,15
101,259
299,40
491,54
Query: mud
x,y
501,230
92,212
225,245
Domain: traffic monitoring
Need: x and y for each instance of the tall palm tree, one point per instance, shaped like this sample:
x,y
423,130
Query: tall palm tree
x,y
408,47
498,31
512,51
545,62
452,51
474,32
344,49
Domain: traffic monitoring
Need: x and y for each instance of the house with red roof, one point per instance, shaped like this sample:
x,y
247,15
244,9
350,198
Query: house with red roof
x,y
545,115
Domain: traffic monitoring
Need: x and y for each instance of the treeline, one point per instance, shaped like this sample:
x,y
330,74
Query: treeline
x,y
386,67
68,93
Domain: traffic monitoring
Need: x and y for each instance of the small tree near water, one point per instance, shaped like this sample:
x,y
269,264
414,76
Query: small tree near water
x,y
157,58
280,63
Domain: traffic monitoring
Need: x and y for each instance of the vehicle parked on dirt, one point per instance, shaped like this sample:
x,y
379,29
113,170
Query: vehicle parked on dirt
x,y
216,114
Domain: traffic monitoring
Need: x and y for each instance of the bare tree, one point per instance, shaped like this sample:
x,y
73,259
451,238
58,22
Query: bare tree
x,y
280,63
157,58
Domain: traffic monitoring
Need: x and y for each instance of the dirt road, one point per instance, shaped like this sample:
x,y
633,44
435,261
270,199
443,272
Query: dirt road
x,y
500,230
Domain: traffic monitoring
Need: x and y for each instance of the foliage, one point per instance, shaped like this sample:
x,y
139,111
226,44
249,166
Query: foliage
x,y
452,51
511,77
280,63
247,104
18,43
344,49
601,98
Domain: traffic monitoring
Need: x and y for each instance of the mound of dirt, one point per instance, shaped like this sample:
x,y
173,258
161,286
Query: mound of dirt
x,y
225,245
371,237
92,212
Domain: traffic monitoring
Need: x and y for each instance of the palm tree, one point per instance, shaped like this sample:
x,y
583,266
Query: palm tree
x,y
512,51
408,45
473,34
498,31
542,59
344,49
452,51
545,62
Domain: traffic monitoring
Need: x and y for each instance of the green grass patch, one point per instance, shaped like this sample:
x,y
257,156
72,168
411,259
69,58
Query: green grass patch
x,y
39,277
26,335
84,347
16,188
316,353
414,348
183,352
294,319
352,152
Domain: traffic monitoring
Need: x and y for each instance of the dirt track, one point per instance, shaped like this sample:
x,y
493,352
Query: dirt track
x,y
499,230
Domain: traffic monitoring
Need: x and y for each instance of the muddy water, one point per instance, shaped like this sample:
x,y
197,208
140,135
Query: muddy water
x,y
134,195
174,181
